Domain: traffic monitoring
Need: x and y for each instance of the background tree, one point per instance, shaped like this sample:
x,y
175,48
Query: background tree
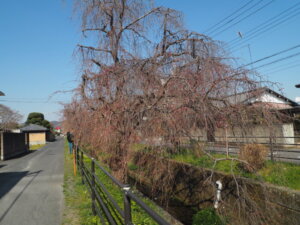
x,y
9,119
145,77
37,118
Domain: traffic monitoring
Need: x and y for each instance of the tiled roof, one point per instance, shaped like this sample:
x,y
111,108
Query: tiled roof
x,y
34,127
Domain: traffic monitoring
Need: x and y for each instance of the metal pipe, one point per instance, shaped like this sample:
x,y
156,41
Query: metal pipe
x,y
218,198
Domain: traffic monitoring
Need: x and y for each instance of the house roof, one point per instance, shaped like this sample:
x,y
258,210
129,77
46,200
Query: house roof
x,y
248,96
33,127
293,103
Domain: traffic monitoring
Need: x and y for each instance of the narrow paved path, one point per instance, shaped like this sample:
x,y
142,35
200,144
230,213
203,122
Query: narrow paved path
x,y
31,191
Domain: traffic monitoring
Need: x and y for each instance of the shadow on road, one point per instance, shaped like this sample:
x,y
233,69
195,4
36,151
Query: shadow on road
x,y
10,180
2,165
20,155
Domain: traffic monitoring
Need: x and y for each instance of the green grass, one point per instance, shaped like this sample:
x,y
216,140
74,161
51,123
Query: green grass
x,y
78,203
36,147
77,209
278,173
282,174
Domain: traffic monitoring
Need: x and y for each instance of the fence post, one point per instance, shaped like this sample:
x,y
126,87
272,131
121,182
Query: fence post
x,y
76,159
81,167
93,187
271,149
77,155
127,206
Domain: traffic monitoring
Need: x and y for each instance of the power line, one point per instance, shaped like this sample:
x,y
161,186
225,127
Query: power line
x,y
268,22
264,30
273,55
285,65
234,18
282,69
224,19
278,60
245,17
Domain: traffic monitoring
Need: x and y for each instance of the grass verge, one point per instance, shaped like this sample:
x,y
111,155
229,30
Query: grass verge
x,y
78,204
77,209
36,147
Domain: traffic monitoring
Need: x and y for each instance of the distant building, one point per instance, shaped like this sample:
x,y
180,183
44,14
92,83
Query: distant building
x,y
57,129
37,134
264,97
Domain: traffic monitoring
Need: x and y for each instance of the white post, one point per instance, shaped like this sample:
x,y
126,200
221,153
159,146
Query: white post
x,y
1,146
218,198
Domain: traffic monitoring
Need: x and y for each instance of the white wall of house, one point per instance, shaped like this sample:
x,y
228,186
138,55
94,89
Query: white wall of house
x,y
287,132
16,131
259,134
270,98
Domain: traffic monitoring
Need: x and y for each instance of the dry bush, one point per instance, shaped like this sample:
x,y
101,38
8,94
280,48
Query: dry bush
x,y
198,149
255,156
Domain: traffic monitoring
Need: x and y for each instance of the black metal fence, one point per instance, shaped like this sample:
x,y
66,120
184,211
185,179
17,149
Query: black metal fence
x,y
104,205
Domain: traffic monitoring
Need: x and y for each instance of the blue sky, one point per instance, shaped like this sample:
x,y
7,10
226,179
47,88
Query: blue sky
x,y
38,38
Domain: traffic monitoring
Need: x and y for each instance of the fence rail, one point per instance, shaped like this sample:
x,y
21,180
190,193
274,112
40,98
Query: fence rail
x,y
104,205
280,148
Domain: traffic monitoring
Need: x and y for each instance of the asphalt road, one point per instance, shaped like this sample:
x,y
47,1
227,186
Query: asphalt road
x,y
31,191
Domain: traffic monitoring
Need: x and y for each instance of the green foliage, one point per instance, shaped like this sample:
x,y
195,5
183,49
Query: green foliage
x,y
207,217
46,123
38,119
35,116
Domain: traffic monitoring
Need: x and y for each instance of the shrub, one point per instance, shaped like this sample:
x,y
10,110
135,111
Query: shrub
x,y
255,155
207,217
197,148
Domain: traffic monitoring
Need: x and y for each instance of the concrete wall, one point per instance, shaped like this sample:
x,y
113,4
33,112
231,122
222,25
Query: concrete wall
x,y
13,144
187,189
37,138
256,134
